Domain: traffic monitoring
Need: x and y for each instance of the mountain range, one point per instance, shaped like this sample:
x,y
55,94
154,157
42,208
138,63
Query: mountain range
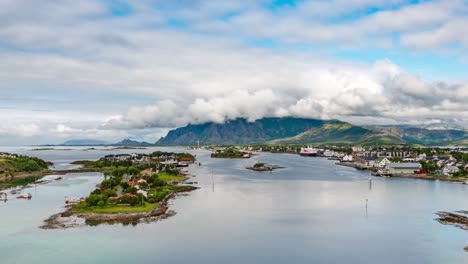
x,y
290,130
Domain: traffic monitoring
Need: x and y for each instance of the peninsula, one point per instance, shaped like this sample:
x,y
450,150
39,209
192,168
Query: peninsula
x,y
136,188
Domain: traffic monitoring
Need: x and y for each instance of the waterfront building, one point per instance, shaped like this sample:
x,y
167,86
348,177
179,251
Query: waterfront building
x,y
403,168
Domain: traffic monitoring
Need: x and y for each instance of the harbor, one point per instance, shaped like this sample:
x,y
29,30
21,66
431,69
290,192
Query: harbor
x,y
297,203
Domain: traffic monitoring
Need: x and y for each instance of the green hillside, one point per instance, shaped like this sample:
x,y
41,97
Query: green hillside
x,y
341,133
239,131
424,136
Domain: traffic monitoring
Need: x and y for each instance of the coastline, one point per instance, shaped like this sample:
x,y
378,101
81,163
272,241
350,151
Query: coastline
x,y
405,175
69,218
38,175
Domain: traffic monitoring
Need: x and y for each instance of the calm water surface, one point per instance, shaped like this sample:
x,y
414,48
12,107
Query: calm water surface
x,y
310,212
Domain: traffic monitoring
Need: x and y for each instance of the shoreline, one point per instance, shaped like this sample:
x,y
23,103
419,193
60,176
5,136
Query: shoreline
x,y
404,175
39,175
69,218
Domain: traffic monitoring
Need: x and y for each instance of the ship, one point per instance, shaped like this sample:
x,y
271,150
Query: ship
x,y
309,151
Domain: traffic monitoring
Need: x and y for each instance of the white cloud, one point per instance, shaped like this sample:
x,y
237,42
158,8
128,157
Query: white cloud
x,y
21,130
207,70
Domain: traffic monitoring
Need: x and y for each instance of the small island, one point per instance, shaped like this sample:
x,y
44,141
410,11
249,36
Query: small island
x,y
136,188
230,153
16,170
263,167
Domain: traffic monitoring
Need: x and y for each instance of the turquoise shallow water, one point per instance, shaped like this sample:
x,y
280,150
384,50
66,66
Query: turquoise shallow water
x,y
310,212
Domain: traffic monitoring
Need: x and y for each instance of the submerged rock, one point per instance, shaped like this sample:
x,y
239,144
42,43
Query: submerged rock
x,y
457,219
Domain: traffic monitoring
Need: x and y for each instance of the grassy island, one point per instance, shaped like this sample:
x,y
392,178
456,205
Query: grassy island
x,y
18,170
263,167
133,184
230,153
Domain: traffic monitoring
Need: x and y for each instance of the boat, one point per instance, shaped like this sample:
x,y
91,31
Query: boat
x,y
190,182
74,200
310,152
23,196
182,164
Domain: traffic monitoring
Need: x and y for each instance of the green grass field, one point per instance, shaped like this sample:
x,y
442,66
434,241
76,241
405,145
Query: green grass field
x,y
115,209
168,177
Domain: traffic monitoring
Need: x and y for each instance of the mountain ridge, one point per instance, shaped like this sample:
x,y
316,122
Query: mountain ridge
x,y
290,130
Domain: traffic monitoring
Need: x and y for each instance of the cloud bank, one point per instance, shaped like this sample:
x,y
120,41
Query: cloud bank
x,y
116,69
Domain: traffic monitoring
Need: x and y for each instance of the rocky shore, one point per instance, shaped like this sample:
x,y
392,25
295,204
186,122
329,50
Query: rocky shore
x,y
36,177
70,218
405,175
458,219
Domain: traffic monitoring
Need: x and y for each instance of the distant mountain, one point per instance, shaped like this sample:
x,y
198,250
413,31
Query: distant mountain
x,y
239,131
290,130
425,136
95,142
83,142
132,143
341,133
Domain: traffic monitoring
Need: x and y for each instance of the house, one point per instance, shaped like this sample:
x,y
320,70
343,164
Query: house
x,y
140,157
381,162
358,149
364,163
186,159
122,157
131,195
136,182
7,155
348,158
403,168
147,172
144,193
449,170
109,157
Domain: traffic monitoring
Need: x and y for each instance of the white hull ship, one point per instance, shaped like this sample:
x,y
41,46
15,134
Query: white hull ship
x,y
309,152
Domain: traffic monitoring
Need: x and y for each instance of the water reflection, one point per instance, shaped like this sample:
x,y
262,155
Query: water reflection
x,y
309,212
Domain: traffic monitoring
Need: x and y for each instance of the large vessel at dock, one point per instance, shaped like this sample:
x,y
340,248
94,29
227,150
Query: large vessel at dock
x,y
309,151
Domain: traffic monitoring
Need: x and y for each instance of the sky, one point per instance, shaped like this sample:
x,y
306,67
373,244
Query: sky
x,y
110,70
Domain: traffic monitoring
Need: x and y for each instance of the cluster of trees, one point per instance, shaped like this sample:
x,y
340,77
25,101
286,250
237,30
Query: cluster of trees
x,y
259,165
460,156
27,164
430,166
157,189
178,156
228,153
461,173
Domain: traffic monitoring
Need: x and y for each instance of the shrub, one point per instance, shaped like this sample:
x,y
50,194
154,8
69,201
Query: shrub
x,y
93,199
158,183
259,165
110,193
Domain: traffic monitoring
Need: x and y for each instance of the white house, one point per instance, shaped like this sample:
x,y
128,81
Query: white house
x,y
358,149
348,158
144,193
381,162
449,170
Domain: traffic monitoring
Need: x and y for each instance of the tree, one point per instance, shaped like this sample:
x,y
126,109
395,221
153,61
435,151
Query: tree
x,y
429,166
31,165
133,171
259,165
93,199
158,183
106,184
